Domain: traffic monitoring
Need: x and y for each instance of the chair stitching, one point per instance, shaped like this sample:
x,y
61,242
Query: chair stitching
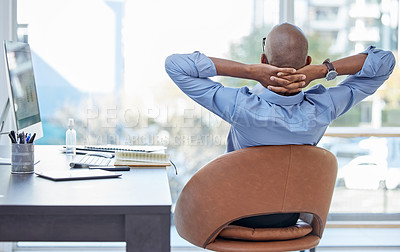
x,y
287,177
218,230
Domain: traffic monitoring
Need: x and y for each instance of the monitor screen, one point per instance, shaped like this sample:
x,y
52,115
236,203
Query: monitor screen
x,y
22,88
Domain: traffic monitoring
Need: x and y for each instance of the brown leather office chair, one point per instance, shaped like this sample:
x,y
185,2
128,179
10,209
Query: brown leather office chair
x,y
257,181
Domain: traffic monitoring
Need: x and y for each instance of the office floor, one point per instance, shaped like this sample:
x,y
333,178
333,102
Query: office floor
x,y
335,239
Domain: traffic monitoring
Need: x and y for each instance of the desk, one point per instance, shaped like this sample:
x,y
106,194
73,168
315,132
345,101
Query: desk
x,y
134,208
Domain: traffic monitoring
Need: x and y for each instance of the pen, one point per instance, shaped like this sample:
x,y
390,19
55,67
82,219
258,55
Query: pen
x,y
32,138
21,138
28,137
12,138
111,168
13,135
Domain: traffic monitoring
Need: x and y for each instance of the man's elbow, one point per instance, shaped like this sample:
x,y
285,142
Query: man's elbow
x,y
170,64
389,61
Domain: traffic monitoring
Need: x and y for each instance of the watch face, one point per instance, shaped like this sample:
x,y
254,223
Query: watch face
x,y
331,75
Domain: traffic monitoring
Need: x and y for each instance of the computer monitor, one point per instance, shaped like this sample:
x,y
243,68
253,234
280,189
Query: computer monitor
x,y
22,95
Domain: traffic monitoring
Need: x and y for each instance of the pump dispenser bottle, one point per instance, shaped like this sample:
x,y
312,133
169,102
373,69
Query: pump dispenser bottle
x,y
70,138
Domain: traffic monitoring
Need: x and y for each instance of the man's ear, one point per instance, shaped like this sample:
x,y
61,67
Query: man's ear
x,y
308,60
263,59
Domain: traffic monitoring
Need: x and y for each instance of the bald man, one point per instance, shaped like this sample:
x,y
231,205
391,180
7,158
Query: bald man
x,y
277,111
286,46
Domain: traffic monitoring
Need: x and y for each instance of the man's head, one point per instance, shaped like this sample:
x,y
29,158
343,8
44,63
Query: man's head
x,y
286,46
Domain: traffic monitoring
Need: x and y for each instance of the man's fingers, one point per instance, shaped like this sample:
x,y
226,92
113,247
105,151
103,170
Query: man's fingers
x,y
282,90
292,83
292,77
279,81
295,85
286,70
281,74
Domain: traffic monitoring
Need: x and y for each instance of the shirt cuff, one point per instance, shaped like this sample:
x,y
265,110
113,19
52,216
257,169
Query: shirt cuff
x,y
368,50
204,65
372,62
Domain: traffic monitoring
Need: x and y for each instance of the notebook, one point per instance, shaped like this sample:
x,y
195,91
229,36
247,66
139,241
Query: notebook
x,y
145,159
127,148
85,149
76,174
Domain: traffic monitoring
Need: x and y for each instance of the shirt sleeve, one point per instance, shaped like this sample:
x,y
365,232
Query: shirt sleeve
x,y
191,73
376,70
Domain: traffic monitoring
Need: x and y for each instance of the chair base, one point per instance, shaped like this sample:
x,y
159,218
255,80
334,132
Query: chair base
x,y
307,242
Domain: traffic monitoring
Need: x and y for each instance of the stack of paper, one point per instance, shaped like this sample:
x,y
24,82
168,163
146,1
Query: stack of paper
x,y
141,158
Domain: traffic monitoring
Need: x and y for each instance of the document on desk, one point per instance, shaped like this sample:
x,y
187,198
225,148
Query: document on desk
x,y
76,174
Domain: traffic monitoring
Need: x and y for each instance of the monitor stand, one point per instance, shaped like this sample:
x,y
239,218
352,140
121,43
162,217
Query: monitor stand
x,y
4,114
5,154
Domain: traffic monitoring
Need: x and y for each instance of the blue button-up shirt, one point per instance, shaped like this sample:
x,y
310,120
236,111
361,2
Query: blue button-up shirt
x,y
262,117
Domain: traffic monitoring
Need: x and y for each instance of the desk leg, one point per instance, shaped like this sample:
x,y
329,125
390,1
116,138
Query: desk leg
x,y
147,233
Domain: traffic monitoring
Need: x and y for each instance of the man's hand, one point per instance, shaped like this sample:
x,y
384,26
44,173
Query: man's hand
x,y
309,73
294,83
280,80
349,65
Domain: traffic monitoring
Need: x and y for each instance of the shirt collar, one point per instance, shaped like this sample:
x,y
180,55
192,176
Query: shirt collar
x,y
272,97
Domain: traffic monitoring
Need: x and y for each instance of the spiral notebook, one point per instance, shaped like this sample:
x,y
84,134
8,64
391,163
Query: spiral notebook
x,y
83,149
124,148
141,158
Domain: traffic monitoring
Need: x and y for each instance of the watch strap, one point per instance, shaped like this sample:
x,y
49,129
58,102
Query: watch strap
x,y
331,74
329,65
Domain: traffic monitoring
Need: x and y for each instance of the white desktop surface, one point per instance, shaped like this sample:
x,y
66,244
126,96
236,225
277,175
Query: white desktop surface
x,y
5,161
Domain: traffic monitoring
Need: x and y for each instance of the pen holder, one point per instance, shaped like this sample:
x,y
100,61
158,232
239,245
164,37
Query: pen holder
x,y
22,158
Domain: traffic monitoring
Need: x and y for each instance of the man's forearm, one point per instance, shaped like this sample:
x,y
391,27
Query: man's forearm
x,y
349,65
259,72
346,66
232,68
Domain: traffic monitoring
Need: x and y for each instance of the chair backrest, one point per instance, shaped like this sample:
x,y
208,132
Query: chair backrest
x,y
255,181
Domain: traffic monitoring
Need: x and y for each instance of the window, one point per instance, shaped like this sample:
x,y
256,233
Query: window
x,y
367,165
101,62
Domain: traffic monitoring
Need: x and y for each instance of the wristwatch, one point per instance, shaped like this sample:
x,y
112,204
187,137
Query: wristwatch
x,y
331,70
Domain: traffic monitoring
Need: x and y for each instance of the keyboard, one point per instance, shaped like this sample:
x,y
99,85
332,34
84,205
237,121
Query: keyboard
x,y
92,159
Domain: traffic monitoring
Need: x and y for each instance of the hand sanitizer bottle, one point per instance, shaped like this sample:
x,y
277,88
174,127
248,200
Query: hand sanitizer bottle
x,y
70,138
